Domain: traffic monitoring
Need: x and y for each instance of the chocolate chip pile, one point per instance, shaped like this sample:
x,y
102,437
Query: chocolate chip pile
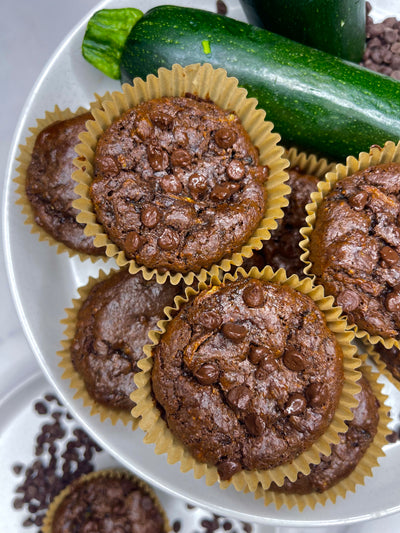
x,y
382,53
63,453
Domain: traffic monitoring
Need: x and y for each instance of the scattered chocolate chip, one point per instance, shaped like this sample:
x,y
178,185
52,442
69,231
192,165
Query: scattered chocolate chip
x,y
296,404
227,525
210,319
239,397
40,408
293,360
132,242
158,158
389,256
257,354
17,468
392,437
207,374
221,7
316,394
235,170
349,300
171,184
225,137
234,332
226,469
359,200
169,239
253,295
254,424
150,216
180,158
18,503
176,526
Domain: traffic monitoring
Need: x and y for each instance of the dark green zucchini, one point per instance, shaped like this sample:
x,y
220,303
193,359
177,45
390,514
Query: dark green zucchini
x,y
333,26
317,102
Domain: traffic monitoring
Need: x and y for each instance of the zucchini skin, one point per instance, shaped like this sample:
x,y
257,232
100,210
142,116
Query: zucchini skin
x,y
316,101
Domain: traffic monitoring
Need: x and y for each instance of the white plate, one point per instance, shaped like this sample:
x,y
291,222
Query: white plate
x,y
43,285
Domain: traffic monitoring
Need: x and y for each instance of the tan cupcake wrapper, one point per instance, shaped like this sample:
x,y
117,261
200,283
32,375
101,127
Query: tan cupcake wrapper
x,y
206,82
380,364
363,469
76,381
309,163
158,433
47,526
389,153
24,159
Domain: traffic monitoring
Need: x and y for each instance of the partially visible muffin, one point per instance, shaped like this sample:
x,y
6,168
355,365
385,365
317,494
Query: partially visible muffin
x,y
177,184
50,187
391,358
355,248
346,454
106,502
247,375
111,329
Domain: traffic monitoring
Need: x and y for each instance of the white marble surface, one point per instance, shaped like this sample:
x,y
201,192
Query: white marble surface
x,y
29,32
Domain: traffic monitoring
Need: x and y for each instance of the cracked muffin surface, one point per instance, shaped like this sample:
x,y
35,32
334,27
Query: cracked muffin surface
x,y
177,184
355,248
247,375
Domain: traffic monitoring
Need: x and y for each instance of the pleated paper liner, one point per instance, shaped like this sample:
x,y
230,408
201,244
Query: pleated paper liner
x,y
159,434
111,473
24,160
76,381
390,152
381,365
309,163
363,469
205,82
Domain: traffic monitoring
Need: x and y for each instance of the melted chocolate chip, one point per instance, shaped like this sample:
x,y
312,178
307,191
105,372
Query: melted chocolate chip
x,y
260,173
132,242
392,301
197,185
253,295
389,256
162,120
158,158
348,300
223,191
226,469
169,239
107,166
359,200
207,374
150,216
294,360
171,184
257,354
234,332
235,170
239,397
316,394
181,158
296,404
225,137
254,424
144,129
267,366
210,319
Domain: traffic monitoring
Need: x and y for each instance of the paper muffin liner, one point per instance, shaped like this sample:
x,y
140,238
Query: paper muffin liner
x,y
76,381
47,526
24,159
380,363
309,163
158,433
363,469
389,153
205,82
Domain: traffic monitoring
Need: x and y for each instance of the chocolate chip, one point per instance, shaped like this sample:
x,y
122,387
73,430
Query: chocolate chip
x,y
239,397
389,256
171,184
223,191
257,354
254,424
349,300
17,468
18,503
235,170
210,319
316,394
169,240
150,216
226,469
181,158
392,301
162,120
225,137
260,173
176,526
234,332
158,158
221,8
253,295
207,374
40,408
197,185
359,200
295,405
294,360
132,242
392,437
107,166
144,128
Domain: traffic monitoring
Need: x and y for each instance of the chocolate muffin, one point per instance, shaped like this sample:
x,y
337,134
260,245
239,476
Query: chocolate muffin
x,y
177,184
391,357
247,375
112,328
104,503
282,250
49,184
346,454
355,247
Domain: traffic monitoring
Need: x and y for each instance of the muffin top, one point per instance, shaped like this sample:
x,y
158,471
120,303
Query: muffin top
x,y
391,357
355,247
282,250
104,504
177,184
247,375
112,328
346,454
50,187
